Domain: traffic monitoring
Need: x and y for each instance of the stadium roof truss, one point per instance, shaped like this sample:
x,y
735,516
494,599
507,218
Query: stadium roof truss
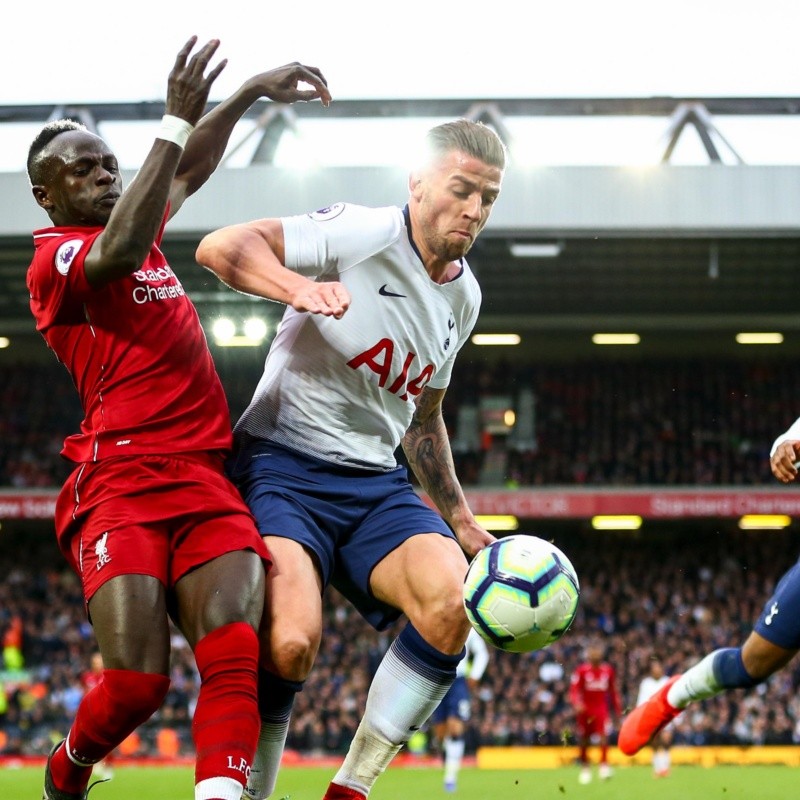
x,y
685,253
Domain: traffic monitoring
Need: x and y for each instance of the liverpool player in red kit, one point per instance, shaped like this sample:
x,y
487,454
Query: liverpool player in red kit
x,y
593,693
147,518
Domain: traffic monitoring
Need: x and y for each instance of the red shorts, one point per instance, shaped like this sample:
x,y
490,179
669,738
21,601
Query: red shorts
x,y
589,724
151,515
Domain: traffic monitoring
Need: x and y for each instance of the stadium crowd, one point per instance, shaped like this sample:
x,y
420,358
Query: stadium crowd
x,y
701,588
594,423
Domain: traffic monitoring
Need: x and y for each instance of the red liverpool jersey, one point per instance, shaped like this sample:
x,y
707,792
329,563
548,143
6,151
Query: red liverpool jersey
x,y
595,688
135,350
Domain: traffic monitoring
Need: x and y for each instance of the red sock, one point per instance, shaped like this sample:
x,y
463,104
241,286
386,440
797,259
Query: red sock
x,y
226,723
604,754
336,792
119,704
584,754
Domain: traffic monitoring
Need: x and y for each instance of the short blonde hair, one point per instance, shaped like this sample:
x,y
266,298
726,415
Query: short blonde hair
x,y
474,138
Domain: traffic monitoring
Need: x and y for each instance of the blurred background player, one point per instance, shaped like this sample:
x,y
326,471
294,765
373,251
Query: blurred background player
x,y
450,718
593,693
650,684
771,645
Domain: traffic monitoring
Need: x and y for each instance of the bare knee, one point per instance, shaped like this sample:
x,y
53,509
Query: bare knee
x,y
424,578
291,653
441,620
455,729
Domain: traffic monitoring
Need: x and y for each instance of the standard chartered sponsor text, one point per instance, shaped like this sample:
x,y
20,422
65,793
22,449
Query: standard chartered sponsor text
x,y
149,293
724,505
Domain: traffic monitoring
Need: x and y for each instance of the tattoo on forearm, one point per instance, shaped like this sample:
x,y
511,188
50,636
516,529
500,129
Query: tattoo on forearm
x,y
427,448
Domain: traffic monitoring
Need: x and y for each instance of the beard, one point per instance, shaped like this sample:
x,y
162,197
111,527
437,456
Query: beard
x,y
450,250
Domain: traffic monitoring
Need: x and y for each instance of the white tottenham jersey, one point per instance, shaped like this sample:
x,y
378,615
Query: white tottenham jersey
x,y
793,434
343,390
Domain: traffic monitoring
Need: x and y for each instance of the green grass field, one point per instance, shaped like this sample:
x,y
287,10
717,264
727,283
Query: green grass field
x,y
628,783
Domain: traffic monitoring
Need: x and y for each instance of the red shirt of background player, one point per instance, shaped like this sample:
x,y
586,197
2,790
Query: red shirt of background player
x,y
593,693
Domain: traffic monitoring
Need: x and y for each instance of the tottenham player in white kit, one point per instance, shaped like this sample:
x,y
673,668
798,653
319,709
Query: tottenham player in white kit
x,y
450,718
380,301
656,679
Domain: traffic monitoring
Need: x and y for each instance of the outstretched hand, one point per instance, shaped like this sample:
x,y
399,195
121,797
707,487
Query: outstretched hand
x,y
188,86
784,459
282,84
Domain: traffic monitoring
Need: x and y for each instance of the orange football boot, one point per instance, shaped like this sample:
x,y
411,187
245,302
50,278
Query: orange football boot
x,y
645,721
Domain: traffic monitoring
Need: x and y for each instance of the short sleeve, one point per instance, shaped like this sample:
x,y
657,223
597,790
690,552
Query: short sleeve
x,y
57,280
329,241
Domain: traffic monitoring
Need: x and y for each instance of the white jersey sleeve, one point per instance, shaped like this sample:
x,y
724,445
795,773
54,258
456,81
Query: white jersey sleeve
x,y
793,434
328,241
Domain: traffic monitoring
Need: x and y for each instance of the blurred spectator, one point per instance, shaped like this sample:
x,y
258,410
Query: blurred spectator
x,y
12,644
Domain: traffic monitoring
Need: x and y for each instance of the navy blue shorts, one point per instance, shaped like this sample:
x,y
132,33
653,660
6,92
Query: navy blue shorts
x,y
454,704
779,622
350,519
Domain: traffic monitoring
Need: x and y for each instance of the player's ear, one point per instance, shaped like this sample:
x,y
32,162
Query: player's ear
x,y
42,197
415,184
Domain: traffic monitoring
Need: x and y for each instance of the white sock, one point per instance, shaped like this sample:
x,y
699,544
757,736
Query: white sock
x,y
453,754
218,789
267,760
697,683
661,761
399,702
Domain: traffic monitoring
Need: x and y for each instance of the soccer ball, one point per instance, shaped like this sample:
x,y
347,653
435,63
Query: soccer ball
x,y
521,593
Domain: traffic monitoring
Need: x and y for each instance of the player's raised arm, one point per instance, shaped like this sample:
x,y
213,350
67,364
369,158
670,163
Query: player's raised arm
x,y
207,143
70,160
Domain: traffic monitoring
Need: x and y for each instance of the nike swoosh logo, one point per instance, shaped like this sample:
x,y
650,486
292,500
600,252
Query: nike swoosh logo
x,y
386,293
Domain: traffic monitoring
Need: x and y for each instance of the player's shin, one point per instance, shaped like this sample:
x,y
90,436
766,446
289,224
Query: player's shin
x,y
453,755
121,702
721,670
225,724
275,701
410,682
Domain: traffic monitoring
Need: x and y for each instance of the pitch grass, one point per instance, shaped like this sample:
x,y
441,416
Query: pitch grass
x,y
628,783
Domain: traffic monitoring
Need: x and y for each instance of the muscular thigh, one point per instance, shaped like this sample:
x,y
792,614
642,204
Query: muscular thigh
x,y
129,617
424,578
761,657
779,622
380,566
